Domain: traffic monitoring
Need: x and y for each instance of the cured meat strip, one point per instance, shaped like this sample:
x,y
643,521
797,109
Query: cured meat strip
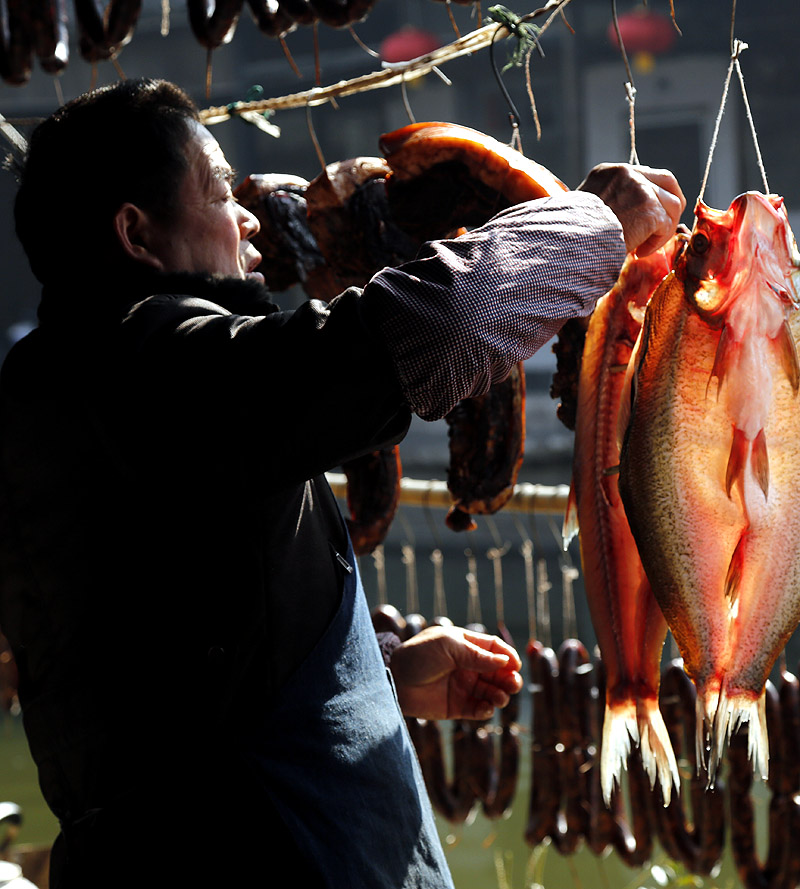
x,y
487,437
443,177
347,205
373,492
568,349
289,250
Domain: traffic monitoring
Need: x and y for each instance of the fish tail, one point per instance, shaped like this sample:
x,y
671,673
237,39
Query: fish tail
x,y
619,728
571,525
705,712
733,711
658,756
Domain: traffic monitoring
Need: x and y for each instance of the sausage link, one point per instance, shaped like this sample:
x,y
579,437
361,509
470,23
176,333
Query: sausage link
x,y
16,43
789,696
508,768
274,22
341,13
217,28
387,619
50,35
478,740
700,846
740,780
573,659
300,11
103,33
606,823
545,797
638,847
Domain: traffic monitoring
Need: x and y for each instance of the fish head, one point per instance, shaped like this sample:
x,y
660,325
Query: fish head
x,y
745,253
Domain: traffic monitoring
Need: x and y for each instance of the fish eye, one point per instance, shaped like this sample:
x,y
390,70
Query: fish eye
x,y
700,243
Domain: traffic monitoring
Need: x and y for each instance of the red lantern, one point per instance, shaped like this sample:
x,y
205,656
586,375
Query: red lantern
x,y
643,31
408,43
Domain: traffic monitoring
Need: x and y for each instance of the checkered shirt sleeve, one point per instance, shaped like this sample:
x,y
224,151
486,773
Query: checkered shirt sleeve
x,y
458,317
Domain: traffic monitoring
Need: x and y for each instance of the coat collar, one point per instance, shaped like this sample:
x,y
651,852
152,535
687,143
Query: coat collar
x,y
89,306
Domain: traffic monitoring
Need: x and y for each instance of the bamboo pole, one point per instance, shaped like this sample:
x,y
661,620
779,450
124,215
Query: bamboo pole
x,y
527,497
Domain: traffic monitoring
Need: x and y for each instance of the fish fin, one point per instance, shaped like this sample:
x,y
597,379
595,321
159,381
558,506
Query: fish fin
x,y
759,460
658,756
619,728
571,526
721,361
788,356
733,711
705,712
737,459
627,396
735,569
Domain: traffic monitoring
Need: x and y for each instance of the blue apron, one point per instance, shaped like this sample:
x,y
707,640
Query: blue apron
x,y
340,767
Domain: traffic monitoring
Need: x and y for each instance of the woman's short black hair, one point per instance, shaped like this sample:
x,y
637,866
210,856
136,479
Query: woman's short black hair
x,y
117,144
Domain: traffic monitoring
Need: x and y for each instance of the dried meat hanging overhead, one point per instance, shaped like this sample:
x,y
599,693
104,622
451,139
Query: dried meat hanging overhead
x,y
16,44
102,32
50,35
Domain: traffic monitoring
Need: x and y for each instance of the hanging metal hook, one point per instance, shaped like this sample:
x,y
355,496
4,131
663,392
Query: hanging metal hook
x,y
513,114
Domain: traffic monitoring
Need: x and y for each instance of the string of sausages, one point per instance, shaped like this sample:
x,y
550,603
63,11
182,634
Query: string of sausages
x,y
566,806
38,29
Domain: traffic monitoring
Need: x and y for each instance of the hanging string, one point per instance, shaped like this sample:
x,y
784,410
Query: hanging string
x,y
495,555
406,103
409,559
750,121
314,141
630,89
452,19
360,42
439,599
379,559
473,593
543,587
437,558
737,48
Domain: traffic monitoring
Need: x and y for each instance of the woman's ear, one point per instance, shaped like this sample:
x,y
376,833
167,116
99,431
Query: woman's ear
x,y
137,234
